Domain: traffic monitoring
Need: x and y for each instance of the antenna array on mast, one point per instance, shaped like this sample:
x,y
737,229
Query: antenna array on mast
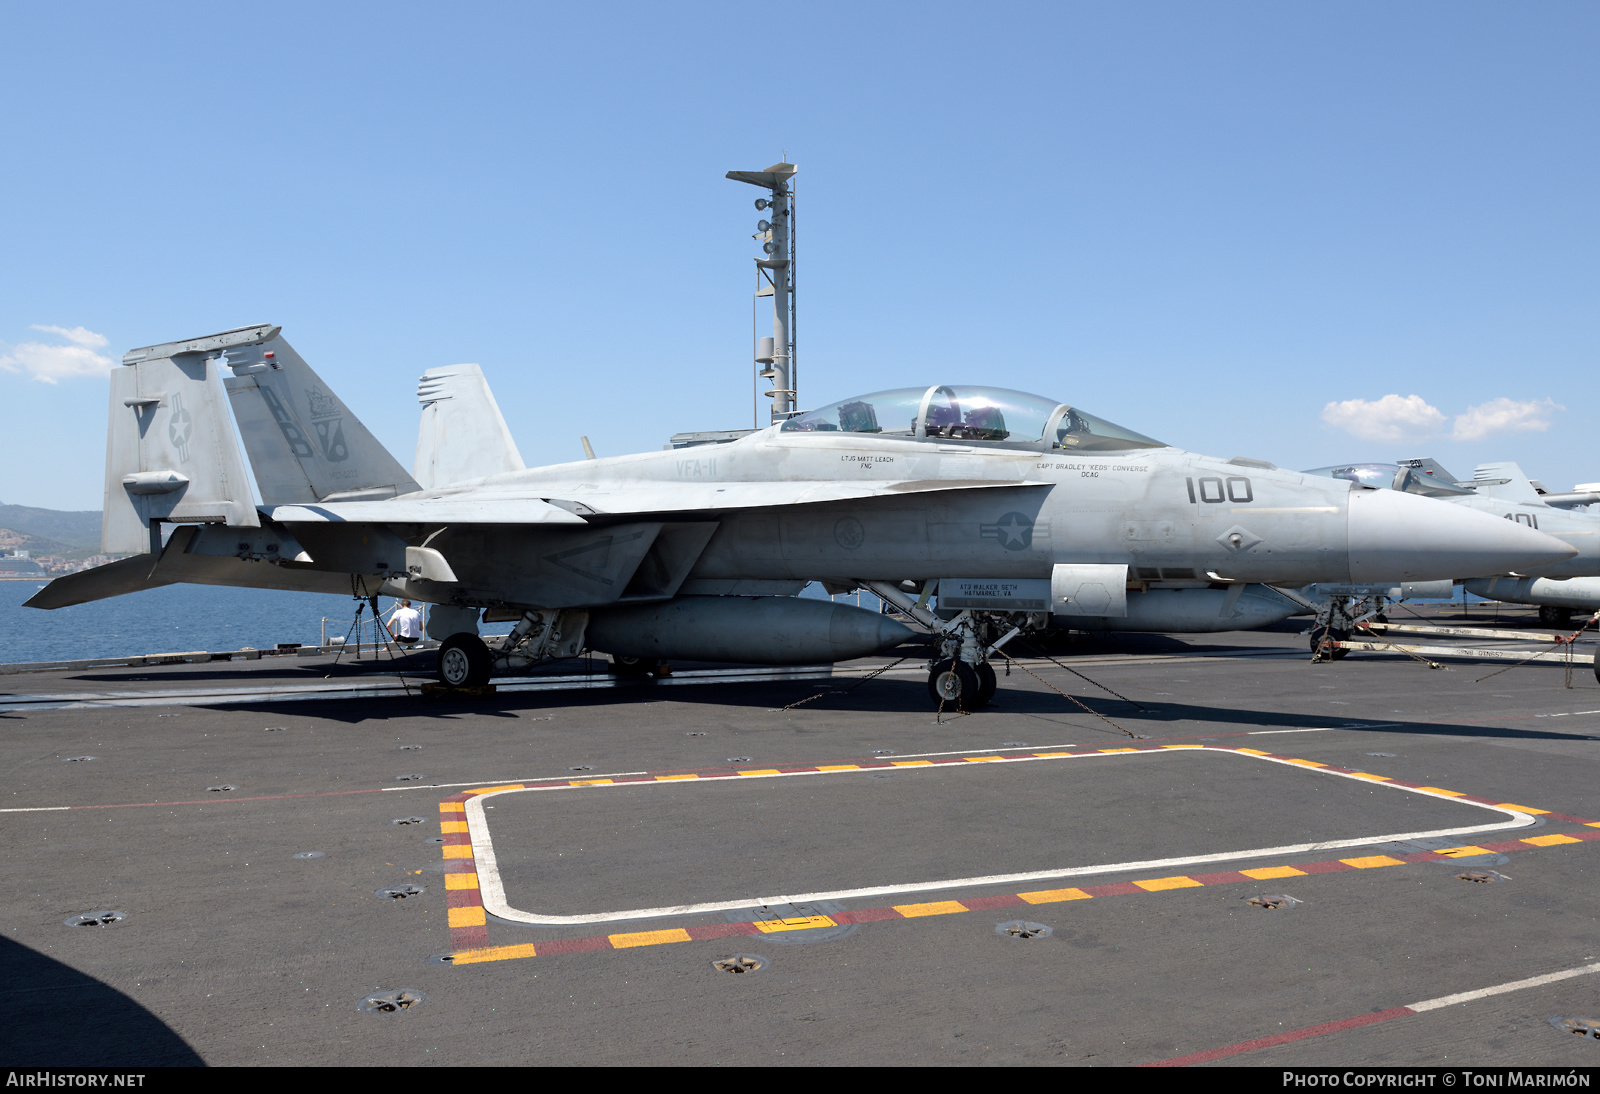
x,y
774,355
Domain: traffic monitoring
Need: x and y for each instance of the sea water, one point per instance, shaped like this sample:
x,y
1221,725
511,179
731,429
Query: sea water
x,y
171,619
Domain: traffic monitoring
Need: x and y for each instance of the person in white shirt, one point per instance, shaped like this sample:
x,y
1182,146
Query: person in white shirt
x,y
405,623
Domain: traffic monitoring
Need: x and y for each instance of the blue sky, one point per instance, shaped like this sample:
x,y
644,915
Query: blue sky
x,y
1205,222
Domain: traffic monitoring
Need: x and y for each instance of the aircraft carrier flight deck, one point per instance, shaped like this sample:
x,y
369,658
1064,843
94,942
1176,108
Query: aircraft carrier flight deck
x,y
1147,849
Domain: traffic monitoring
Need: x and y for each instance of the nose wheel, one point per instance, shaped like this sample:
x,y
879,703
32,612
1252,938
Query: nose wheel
x,y
954,683
1334,634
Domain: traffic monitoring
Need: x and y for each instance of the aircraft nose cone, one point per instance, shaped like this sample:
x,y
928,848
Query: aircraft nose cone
x,y
1403,537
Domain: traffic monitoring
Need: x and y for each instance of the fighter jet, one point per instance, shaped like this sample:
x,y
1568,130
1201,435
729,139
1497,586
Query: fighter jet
x,y
977,512
1503,490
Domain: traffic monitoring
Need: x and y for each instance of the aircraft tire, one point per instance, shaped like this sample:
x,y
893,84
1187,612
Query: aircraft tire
x,y
954,684
630,666
988,684
1335,634
1555,617
1597,664
464,661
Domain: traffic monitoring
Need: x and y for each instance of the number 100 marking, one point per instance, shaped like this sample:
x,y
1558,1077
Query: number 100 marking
x,y
1214,490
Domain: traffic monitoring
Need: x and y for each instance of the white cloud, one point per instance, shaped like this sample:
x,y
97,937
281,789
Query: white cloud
x,y
81,336
52,363
1503,415
1392,418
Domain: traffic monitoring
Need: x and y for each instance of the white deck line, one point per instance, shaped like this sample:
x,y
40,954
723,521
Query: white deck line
x,y
1501,989
492,889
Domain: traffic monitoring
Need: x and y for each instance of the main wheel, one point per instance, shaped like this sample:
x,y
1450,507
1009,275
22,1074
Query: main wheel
x,y
464,661
987,685
1555,617
631,666
954,684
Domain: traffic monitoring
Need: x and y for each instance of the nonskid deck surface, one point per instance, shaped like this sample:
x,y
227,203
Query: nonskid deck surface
x,y
864,847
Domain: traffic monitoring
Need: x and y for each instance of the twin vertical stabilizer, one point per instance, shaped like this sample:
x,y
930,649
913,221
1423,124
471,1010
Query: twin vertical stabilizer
x,y
171,456
463,435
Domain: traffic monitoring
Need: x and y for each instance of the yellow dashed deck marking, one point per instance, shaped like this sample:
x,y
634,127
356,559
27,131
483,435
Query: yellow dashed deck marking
x,y
648,938
452,826
589,782
911,763
1371,862
803,923
1550,841
1463,852
1051,755
937,907
464,880
1252,752
982,759
494,953
493,789
1156,884
1054,896
1183,746
452,807
670,778
1264,873
1306,763
458,850
1523,808
1374,778
1441,790
841,767
467,917
1119,750
761,771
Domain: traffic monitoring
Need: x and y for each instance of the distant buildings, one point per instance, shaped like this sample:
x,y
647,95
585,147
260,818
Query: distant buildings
x,y
20,565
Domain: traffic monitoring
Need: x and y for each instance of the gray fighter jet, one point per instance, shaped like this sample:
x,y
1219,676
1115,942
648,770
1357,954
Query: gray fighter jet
x,y
1503,490
978,512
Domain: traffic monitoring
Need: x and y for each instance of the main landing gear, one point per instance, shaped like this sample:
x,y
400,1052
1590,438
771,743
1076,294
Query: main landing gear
x,y
464,661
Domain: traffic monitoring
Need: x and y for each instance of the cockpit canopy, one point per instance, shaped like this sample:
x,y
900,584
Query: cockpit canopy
x,y
1394,476
971,414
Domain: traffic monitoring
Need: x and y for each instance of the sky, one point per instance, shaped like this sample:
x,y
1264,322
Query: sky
x,y
1309,233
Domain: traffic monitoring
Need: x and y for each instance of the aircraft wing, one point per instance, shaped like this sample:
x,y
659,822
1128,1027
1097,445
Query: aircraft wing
x,y
627,499
473,509
569,504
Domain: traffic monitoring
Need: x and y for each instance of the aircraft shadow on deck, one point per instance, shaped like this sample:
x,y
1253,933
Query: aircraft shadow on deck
x,y
60,1017
898,695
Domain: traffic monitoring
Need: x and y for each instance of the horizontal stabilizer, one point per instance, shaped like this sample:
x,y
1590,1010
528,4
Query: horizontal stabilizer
x,y
113,579
463,435
179,563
